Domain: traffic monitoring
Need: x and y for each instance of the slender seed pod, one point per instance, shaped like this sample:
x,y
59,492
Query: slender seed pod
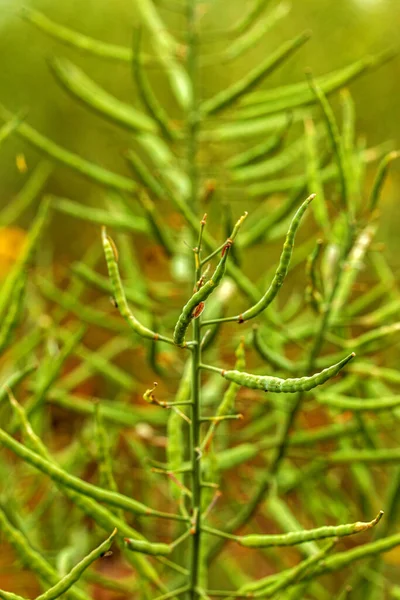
x,y
275,359
77,83
99,282
270,166
159,229
98,216
198,299
261,150
142,173
294,574
14,380
336,139
251,17
75,39
13,314
298,537
154,549
314,176
8,128
277,385
92,491
314,288
27,195
30,557
49,372
103,453
359,404
267,102
86,168
149,99
119,293
282,269
380,178
167,49
66,582
103,517
237,90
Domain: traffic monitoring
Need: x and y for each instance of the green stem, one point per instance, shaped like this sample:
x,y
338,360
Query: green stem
x,y
192,167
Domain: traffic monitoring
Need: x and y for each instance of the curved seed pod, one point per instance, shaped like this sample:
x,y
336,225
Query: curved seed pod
x,y
143,174
76,39
92,491
299,94
282,269
14,380
10,321
31,558
150,101
74,161
119,294
77,83
8,128
314,181
120,221
66,582
274,585
234,92
298,537
275,359
277,385
189,310
27,195
167,49
145,547
250,17
336,140
359,404
243,130
380,178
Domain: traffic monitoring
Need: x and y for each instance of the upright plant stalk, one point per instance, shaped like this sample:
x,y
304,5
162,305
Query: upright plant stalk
x,y
192,167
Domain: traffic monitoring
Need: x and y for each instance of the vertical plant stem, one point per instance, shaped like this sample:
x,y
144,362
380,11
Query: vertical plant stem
x,y
192,148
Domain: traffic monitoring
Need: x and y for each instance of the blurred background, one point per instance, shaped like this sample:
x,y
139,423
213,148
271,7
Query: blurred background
x,y
343,31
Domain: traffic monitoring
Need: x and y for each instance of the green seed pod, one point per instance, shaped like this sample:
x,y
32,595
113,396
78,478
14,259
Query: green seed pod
x,y
167,49
314,181
298,537
282,269
237,90
66,582
277,385
143,174
275,359
147,547
149,99
74,161
299,94
120,221
359,404
189,311
76,40
27,195
77,83
336,140
119,293
260,151
57,474
31,558
13,314
380,178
